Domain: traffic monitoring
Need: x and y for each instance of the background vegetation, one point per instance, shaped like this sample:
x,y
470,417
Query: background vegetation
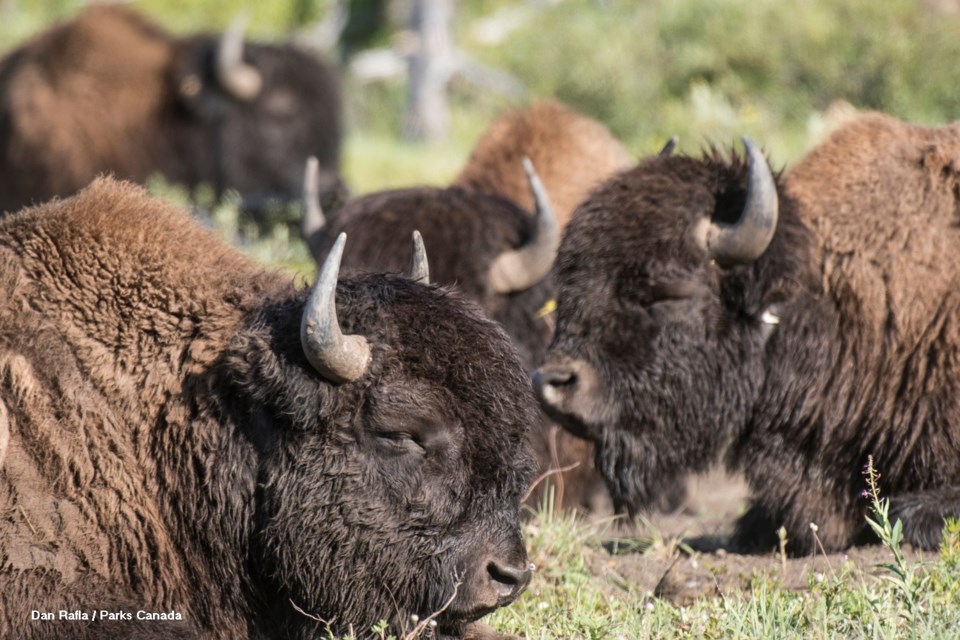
x,y
708,71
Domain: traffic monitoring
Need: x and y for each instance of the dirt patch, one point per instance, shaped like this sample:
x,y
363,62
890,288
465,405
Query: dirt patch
x,y
682,556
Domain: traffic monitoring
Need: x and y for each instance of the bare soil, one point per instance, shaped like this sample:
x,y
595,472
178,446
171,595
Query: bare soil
x,y
687,558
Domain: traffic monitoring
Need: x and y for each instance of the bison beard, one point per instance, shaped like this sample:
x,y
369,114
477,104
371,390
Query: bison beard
x,y
172,448
793,358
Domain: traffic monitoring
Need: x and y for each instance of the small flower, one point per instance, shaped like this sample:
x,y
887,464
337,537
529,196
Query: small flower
x,y
814,527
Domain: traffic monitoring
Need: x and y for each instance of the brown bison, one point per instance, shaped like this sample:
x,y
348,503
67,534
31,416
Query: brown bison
x,y
498,256
572,153
111,92
794,327
193,436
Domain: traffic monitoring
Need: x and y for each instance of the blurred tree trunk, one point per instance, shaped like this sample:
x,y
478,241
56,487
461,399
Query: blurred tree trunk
x,y
431,63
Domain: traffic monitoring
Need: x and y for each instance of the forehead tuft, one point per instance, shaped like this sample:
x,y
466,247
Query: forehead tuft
x,y
439,339
654,209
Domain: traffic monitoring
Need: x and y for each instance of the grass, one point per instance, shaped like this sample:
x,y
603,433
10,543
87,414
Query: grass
x,y
569,600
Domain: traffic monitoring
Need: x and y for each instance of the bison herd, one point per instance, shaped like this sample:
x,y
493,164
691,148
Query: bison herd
x,y
192,446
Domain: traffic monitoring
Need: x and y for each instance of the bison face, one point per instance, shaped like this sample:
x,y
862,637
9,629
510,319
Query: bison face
x,y
660,331
396,492
259,117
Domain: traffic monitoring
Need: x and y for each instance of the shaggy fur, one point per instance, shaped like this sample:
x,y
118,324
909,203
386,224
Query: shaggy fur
x,y
463,233
111,92
677,365
573,154
171,449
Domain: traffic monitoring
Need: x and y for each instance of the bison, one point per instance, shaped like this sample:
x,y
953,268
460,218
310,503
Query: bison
x,y
572,153
111,92
193,436
792,326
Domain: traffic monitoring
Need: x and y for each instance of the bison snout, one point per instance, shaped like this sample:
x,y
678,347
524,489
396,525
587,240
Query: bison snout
x,y
552,384
571,392
508,580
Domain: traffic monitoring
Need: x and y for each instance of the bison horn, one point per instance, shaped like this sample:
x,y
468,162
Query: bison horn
x,y
239,79
312,219
668,148
523,267
418,269
336,357
745,240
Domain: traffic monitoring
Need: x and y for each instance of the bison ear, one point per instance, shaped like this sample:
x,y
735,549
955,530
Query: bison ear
x,y
336,357
418,269
745,240
238,78
525,266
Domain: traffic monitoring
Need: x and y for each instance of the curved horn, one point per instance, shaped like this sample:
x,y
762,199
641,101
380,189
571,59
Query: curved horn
x,y
418,268
668,148
312,219
240,79
745,240
336,357
523,267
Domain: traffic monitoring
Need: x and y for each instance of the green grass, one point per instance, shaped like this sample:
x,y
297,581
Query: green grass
x,y
566,600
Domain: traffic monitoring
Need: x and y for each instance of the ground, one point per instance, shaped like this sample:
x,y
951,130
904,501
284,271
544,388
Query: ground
x,y
681,556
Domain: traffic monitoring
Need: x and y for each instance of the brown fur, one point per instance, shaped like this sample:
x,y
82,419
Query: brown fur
x,y
83,405
572,153
880,195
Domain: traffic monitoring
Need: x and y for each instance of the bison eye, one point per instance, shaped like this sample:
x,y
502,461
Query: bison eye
x,y
400,441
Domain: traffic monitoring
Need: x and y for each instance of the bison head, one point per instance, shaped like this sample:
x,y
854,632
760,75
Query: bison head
x,y
669,278
392,424
259,111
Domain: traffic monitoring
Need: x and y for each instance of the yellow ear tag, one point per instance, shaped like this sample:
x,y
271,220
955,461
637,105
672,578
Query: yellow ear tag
x,y
548,307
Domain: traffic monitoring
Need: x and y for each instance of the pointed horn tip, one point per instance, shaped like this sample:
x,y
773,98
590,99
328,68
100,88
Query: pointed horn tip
x,y
310,174
418,268
311,178
527,164
750,147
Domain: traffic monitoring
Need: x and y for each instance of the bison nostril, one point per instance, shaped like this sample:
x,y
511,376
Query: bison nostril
x,y
509,580
547,383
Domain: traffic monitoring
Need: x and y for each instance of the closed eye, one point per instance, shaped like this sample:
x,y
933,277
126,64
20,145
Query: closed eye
x,y
401,441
